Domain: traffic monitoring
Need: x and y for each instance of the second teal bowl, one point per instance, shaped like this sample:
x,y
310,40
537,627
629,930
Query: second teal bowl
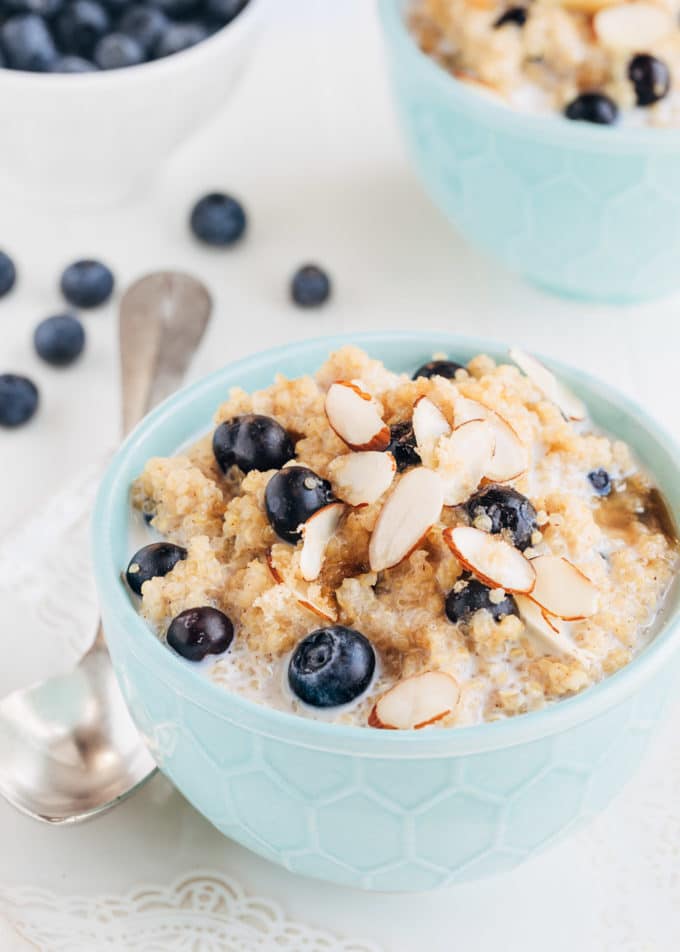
x,y
587,211
384,810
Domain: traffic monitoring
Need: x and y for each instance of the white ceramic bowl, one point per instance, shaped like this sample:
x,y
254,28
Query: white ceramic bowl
x,y
96,137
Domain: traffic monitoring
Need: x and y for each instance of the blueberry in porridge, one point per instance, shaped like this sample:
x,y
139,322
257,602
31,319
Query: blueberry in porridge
x,y
598,61
396,551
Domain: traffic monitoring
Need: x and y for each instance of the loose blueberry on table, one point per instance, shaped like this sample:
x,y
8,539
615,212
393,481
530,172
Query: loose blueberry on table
x,y
79,36
87,283
198,632
8,274
152,561
218,219
252,441
508,510
332,666
18,400
291,497
310,286
469,595
402,445
59,340
438,368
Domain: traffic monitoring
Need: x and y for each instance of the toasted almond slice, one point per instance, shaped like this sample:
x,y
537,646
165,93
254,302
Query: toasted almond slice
x,y
416,702
465,410
510,457
356,417
463,459
303,598
361,478
551,388
563,590
276,575
491,559
411,509
632,26
316,534
548,633
429,425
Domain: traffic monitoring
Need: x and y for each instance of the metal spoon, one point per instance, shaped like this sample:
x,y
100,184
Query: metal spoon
x,y
68,747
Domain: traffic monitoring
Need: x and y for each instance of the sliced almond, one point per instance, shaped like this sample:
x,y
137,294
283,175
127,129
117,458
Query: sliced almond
x,y
563,590
304,599
463,459
465,410
411,509
491,559
361,478
429,425
316,534
510,458
551,388
548,634
633,26
416,702
356,417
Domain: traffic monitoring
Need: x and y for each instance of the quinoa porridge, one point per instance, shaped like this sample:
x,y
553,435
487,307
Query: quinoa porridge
x,y
595,60
457,547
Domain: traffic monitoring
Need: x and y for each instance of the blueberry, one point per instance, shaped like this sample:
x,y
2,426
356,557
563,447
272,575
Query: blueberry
x,y
593,107
438,368
218,219
178,37
44,8
402,445
73,64
8,274
516,15
225,10
310,286
18,399
601,482
27,43
177,9
650,77
80,26
198,632
117,50
250,442
331,666
59,340
469,596
292,496
508,510
152,561
87,283
145,24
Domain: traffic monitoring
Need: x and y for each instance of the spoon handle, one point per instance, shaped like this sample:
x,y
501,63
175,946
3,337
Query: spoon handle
x,y
163,318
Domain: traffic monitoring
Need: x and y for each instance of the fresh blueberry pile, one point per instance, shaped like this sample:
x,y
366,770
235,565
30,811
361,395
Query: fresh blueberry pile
x,y
82,36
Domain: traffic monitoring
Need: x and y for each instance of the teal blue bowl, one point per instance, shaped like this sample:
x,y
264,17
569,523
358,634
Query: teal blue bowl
x,y
382,810
584,210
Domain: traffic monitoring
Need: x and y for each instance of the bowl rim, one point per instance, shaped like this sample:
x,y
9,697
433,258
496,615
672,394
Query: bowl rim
x,y
230,33
485,108
113,501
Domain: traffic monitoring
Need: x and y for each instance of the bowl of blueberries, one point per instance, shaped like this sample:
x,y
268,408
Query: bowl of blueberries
x,y
95,94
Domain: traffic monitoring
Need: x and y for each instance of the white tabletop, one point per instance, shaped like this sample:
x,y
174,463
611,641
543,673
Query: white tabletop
x,y
311,145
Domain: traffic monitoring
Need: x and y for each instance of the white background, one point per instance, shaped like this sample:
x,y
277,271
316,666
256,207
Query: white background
x,y
311,146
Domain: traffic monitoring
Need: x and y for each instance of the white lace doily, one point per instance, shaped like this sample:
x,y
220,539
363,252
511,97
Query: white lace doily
x,y
201,912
